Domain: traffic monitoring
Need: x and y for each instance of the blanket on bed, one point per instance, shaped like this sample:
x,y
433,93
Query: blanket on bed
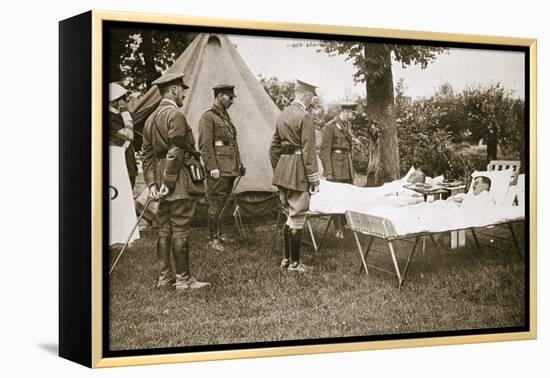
x,y
337,198
440,216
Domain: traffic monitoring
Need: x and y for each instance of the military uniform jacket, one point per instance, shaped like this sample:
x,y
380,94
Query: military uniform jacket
x,y
168,148
336,146
218,142
295,129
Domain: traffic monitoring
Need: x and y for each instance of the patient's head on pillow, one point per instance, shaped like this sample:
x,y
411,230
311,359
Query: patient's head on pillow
x,y
417,177
481,184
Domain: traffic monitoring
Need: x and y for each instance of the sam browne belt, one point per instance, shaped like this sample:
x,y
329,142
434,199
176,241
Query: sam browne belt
x,y
340,151
187,154
219,143
288,149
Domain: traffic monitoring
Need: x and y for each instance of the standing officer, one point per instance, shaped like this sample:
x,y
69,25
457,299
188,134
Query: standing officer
x,y
294,162
220,153
169,162
336,147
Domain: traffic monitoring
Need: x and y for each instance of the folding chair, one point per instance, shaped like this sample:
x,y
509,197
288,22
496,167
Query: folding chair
x,y
500,165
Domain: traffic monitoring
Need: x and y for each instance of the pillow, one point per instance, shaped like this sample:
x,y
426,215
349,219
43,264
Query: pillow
x,y
500,181
409,173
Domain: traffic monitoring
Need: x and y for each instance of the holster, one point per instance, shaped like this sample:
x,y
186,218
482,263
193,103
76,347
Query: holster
x,y
194,166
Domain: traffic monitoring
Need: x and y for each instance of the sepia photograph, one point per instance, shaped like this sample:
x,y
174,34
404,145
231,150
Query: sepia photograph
x,y
282,189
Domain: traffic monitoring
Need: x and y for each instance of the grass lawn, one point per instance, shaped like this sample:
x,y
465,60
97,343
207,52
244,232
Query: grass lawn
x,y
252,301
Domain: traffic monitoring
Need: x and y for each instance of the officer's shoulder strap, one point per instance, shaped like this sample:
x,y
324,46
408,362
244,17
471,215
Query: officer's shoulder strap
x,y
333,121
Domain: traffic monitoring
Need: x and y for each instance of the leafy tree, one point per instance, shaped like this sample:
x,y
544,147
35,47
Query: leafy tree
x,y
449,113
424,142
373,62
139,56
491,113
281,92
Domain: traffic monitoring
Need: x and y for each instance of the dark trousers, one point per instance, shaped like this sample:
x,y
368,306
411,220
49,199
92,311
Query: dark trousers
x,y
217,192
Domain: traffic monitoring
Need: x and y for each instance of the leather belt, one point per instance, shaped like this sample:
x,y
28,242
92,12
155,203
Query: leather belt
x,y
162,155
219,143
340,151
289,149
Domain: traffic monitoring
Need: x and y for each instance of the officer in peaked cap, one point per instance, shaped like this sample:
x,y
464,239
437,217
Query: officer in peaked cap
x,y
302,86
336,148
169,169
295,171
220,153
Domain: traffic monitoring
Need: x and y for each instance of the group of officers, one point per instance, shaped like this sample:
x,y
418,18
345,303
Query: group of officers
x,y
174,174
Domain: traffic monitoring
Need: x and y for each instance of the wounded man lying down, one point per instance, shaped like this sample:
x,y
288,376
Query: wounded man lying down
x,y
337,198
460,211
480,197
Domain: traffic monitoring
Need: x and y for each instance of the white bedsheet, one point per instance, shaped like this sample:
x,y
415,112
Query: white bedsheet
x,y
442,216
337,198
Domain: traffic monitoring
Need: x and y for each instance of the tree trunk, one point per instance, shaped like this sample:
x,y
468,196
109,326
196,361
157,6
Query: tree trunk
x,y
151,73
492,146
380,104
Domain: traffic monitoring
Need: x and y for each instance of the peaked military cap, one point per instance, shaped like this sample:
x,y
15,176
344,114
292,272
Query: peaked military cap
x,y
348,106
170,78
302,85
225,89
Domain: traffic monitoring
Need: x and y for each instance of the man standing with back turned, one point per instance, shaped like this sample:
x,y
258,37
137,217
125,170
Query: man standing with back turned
x,y
168,157
296,174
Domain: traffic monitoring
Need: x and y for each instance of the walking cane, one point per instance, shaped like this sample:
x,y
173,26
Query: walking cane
x,y
131,233
229,197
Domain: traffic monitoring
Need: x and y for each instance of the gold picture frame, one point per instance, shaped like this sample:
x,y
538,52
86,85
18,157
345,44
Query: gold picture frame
x,y
82,265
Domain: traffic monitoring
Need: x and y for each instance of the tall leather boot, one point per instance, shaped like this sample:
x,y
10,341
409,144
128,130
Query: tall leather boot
x,y
166,275
184,280
286,248
221,235
180,249
213,224
295,245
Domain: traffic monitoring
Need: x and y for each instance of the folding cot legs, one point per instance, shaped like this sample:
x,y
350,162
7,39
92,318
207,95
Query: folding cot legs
x,y
363,255
508,225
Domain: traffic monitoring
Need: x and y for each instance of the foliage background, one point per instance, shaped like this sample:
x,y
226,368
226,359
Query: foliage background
x,y
441,134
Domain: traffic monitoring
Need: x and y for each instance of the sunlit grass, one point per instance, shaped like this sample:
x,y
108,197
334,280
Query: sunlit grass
x,y
252,301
